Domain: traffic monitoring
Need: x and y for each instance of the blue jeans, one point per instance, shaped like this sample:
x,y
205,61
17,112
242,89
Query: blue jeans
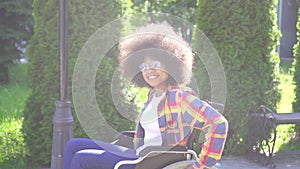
x,y
83,153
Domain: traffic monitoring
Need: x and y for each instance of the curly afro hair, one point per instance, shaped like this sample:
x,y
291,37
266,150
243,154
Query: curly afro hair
x,y
162,43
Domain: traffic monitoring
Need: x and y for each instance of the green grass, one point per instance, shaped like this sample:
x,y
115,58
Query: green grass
x,y
13,96
12,101
287,87
285,133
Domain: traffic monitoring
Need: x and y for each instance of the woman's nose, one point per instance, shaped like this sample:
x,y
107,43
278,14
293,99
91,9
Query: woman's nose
x,y
150,70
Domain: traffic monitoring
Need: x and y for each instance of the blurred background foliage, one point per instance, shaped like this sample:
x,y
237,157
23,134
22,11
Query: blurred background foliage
x,y
244,34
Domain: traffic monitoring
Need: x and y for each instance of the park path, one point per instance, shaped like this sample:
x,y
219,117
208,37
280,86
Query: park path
x,y
283,160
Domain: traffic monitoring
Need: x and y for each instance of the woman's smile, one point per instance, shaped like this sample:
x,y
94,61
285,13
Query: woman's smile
x,y
151,77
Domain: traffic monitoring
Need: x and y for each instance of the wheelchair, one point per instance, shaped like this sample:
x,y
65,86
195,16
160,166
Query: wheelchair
x,y
164,157
157,157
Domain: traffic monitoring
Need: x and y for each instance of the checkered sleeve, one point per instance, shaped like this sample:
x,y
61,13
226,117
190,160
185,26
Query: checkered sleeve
x,y
203,117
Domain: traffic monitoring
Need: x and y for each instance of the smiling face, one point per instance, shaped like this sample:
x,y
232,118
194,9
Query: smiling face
x,y
155,74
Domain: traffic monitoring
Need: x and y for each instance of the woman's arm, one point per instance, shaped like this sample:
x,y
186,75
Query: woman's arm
x,y
216,127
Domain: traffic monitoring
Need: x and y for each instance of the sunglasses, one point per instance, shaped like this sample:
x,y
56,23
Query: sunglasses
x,y
153,65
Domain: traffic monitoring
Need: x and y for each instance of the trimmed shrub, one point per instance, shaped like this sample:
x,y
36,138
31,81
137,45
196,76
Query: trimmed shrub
x,y
245,35
85,17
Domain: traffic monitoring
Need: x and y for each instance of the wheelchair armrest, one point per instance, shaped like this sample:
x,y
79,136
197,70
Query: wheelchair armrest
x,y
128,133
218,106
124,138
162,149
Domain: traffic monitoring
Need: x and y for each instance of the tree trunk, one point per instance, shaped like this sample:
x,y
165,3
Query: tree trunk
x,y
4,78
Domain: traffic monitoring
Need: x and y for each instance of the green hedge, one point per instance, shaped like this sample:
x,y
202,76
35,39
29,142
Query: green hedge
x,y
245,36
296,77
85,17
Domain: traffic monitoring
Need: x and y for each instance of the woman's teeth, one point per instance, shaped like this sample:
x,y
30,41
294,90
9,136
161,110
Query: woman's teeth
x,y
152,77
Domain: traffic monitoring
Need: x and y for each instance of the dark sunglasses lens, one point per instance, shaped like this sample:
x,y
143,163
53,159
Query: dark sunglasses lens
x,y
142,67
155,65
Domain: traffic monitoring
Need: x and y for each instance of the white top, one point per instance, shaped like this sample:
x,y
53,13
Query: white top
x,y
149,121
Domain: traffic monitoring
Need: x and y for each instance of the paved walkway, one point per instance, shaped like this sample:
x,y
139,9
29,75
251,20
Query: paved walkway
x,y
283,160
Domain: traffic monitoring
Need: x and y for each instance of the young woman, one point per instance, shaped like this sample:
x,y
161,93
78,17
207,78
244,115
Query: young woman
x,y
157,58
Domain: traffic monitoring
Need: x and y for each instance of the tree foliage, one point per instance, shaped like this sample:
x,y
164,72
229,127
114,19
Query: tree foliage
x,y
85,17
182,9
245,35
15,29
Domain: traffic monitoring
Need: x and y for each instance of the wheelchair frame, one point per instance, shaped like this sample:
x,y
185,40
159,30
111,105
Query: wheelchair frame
x,y
150,151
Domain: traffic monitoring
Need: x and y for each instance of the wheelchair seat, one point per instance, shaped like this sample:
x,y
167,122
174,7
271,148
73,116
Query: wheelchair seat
x,y
158,157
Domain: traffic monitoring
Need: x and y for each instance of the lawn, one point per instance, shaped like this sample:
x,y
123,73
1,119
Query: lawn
x,y
12,101
286,133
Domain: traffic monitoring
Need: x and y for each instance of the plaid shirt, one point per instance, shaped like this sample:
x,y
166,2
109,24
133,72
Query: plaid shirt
x,y
179,114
